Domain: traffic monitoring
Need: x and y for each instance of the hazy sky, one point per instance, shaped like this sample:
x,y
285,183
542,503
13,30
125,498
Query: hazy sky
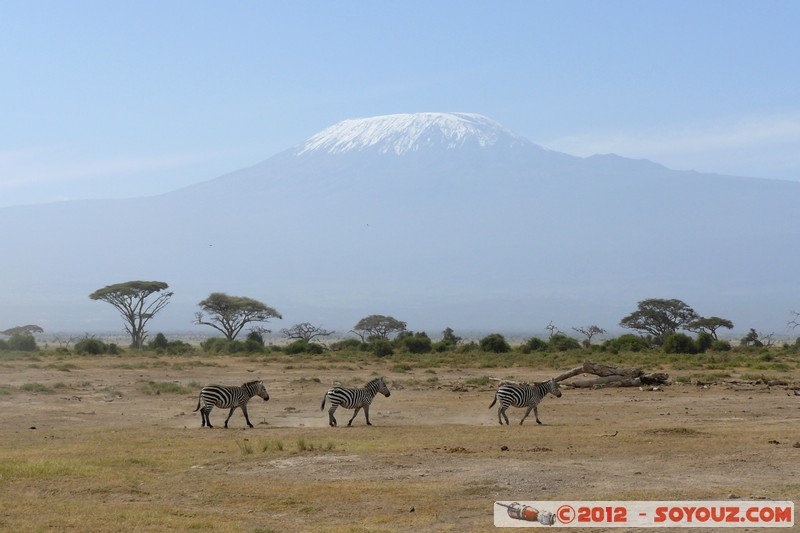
x,y
116,99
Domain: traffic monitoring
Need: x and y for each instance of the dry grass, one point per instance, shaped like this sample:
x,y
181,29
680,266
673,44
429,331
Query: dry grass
x,y
435,460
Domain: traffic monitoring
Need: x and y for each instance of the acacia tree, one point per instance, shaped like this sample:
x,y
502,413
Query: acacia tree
x,y
229,314
589,332
24,331
131,300
378,327
794,321
660,317
305,331
710,324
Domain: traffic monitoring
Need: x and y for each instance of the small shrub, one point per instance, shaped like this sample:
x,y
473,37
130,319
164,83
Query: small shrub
x,y
164,387
381,347
160,341
402,368
36,387
347,344
92,346
495,343
468,347
217,345
561,343
482,381
704,341
536,344
416,343
302,346
721,346
626,343
20,343
441,346
679,343
244,446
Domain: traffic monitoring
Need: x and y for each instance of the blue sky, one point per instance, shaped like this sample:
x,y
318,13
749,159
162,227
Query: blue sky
x,y
119,99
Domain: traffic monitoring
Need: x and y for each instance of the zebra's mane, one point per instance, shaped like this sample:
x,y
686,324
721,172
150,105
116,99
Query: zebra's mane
x,y
525,383
373,382
252,382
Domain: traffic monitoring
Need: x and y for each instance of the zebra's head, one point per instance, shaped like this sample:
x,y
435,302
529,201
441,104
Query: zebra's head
x,y
381,387
553,386
259,389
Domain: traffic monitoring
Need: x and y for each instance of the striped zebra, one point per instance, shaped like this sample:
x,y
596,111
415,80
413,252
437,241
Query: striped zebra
x,y
228,397
354,399
523,395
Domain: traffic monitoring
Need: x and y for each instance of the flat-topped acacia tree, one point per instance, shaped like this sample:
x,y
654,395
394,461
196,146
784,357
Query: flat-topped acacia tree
x,y
229,314
132,300
378,327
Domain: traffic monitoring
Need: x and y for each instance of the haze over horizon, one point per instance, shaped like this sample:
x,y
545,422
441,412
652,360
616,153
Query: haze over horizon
x,y
127,100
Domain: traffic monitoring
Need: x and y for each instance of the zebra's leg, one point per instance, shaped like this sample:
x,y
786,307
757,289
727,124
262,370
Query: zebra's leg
x,y
247,418
366,414
331,418
527,412
536,414
354,416
230,414
206,414
501,412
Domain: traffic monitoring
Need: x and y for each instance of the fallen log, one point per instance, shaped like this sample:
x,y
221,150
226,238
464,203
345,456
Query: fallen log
x,y
613,376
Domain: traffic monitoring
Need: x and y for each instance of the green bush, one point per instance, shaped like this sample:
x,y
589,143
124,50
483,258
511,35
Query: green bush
x,y
468,347
561,343
704,341
302,346
347,344
495,343
218,345
255,336
441,346
160,341
534,344
381,347
721,346
415,343
20,343
93,346
626,343
679,343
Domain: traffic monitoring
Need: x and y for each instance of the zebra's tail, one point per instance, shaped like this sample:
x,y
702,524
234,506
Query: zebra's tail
x,y
324,399
493,401
198,404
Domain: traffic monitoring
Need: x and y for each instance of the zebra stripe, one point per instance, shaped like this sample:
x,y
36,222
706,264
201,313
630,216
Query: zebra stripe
x,y
354,399
523,395
228,397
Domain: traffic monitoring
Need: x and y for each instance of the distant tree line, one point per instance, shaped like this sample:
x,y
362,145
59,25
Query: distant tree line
x,y
659,322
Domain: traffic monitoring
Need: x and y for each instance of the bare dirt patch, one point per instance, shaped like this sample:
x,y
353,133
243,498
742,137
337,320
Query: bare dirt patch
x,y
115,448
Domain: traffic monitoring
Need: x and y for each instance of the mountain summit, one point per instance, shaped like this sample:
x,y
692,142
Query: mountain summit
x,y
404,133
439,219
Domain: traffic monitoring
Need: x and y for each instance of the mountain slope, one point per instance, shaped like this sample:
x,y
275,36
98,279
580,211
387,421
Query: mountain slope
x,y
440,219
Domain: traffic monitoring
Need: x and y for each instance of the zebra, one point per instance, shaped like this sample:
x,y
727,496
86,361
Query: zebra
x,y
523,395
354,399
221,396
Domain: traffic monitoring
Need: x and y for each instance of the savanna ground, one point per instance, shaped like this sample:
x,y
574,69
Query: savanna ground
x,y
111,443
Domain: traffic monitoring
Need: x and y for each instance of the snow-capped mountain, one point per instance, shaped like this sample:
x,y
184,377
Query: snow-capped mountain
x,y
439,219
404,133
